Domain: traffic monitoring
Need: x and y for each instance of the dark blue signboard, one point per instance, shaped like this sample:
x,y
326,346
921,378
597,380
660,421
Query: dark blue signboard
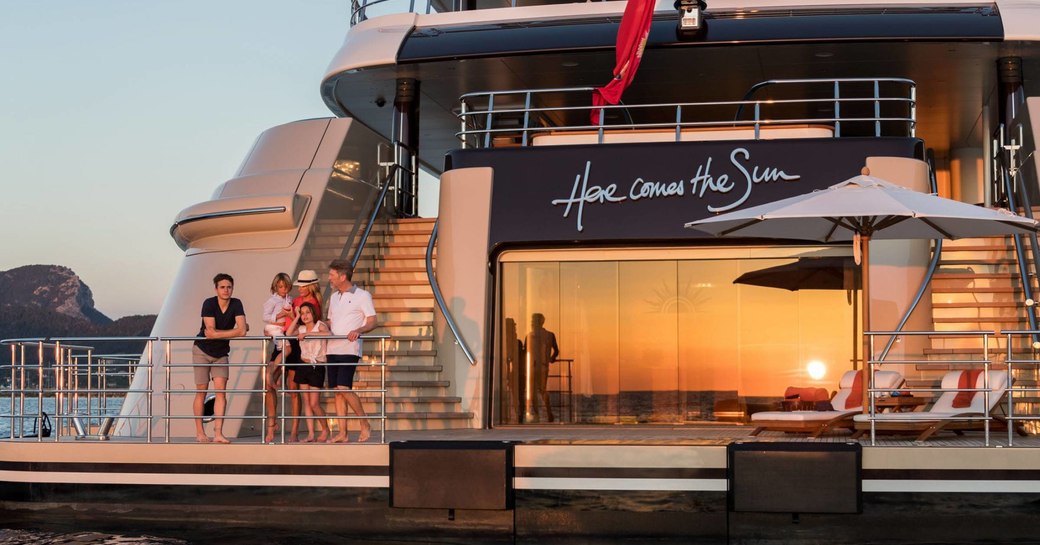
x,y
552,195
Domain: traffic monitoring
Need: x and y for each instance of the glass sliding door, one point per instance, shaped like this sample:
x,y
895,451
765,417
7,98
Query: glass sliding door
x,y
651,336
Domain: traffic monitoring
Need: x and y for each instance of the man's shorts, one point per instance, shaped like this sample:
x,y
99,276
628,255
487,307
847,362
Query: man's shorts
x,y
341,376
203,372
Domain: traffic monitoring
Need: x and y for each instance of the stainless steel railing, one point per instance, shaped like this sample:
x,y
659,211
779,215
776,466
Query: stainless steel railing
x,y
69,380
1026,390
986,361
873,106
362,10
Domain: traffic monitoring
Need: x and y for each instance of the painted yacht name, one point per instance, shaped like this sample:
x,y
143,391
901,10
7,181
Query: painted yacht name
x,y
703,181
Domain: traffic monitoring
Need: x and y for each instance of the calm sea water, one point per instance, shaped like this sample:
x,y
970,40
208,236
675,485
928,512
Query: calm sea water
x,y
21,415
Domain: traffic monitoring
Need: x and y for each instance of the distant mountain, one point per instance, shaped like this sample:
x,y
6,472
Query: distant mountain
x,y
52,301
50,287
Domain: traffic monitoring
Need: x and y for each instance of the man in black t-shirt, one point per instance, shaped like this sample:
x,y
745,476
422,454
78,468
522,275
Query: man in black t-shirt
x,y
222,318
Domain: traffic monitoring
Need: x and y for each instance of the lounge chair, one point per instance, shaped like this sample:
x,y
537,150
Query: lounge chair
x,y
946,413
816,423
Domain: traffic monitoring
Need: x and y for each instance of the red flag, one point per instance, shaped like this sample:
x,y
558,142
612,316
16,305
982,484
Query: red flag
x,y
631,40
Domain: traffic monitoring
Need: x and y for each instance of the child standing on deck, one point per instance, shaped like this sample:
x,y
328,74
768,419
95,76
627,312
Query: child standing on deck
x,y
277,309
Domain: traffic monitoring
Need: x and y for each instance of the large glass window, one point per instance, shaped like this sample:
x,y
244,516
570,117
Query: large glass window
x,y
659,336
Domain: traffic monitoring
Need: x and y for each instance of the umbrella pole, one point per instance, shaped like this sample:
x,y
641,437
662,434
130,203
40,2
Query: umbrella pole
x,y
865,264
855,341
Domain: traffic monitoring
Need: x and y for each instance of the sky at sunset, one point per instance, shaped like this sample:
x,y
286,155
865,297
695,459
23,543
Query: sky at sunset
x,y
116,115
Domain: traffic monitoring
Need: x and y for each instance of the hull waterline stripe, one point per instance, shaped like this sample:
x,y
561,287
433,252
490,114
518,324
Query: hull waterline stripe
x,y
519,483
559,483
1006,487
317,481
213,469
622,472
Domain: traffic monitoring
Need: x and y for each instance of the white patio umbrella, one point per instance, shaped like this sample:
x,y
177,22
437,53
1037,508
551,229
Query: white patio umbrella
x,y
859,209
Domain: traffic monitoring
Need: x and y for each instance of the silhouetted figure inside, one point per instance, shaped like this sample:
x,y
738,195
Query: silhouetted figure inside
x,y
541,350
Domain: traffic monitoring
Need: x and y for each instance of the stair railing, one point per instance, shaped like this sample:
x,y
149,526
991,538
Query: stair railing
x,y
440,298
1007,170
929,273
377,206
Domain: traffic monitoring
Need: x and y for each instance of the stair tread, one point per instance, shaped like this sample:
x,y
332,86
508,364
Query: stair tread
x,y
376,283
406,368
941,289
393,257
939,275
400,261
981,304
995,246
954,319
399,382
379,223
388,269
430,416
980,261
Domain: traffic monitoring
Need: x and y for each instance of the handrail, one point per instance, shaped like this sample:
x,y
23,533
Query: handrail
x,y
1008,174
371,218
837,100
1011,361
1020,257
984,362
440,298
227,214
68,394
933,264
569,112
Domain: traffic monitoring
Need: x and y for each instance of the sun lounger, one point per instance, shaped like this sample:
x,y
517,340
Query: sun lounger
x,y
845,405
946,413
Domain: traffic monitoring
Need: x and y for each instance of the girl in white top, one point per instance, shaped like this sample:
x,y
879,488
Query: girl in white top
x,y
311,376
277,311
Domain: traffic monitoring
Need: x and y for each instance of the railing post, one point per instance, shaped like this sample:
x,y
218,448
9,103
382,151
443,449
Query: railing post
x,y
263,394
149,386
868,362
758,119
463,116
985,385
527,118
488,121
1009,360
837,111
166,392
382,387
913,111
877,109
678,123
20,387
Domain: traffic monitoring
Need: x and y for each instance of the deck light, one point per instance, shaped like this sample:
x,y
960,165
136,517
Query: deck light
x,y
691,21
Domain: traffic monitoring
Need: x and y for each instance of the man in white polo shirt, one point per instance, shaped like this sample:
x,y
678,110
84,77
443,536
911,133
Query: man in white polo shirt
x,y
351,314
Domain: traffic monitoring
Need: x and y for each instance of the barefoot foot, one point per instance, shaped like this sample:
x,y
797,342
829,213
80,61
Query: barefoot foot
x,y
219,438
202,438
341,438
366,432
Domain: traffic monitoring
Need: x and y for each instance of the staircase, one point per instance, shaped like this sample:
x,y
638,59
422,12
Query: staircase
x,y
978,287
393,269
